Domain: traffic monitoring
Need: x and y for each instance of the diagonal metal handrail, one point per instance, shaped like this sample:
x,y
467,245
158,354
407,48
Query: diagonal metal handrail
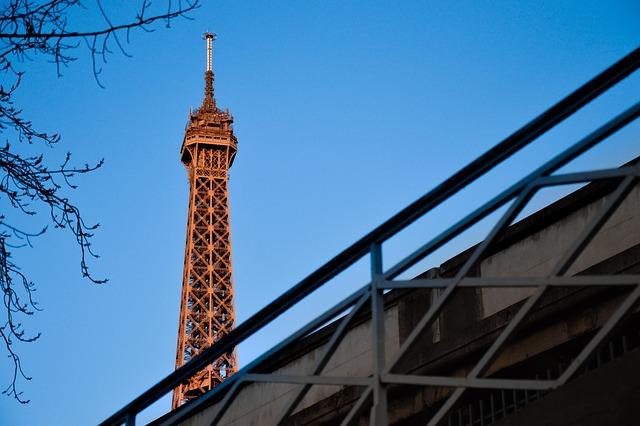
x,y
405,217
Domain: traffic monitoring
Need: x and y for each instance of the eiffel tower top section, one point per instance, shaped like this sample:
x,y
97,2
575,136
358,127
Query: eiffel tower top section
x,y
208,124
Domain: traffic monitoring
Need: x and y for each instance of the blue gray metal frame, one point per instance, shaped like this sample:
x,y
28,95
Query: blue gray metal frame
x,y
518,195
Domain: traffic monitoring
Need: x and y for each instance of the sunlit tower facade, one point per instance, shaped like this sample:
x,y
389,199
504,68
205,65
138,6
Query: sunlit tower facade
x,y
207,308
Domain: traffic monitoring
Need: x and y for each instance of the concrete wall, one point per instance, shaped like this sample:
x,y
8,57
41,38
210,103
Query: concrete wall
x,y
537,255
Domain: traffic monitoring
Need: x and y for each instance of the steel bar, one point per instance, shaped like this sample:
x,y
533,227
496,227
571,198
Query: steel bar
x,y
327,352
308,379
590,176
379,414
588,233
500,282
130,419
349,256
622,310
357,407
466,382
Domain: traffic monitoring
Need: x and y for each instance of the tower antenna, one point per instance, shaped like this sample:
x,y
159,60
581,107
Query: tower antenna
x,y
209,36
209,102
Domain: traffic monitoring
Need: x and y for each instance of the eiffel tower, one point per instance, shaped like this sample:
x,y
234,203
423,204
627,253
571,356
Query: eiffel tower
x,y
207,309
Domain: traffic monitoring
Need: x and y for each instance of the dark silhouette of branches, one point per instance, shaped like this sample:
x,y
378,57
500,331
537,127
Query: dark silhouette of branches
x,y
29,186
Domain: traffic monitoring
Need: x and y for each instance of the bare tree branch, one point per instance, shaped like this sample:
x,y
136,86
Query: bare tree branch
x,y
28,185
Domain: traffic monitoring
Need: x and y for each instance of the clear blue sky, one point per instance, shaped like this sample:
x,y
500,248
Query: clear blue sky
x,y
345,113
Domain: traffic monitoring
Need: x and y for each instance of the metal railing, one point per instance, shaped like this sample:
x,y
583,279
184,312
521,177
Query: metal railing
x,y
371,295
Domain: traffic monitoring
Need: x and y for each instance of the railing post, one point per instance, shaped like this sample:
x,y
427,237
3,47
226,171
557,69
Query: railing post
x,y
130,420
379,416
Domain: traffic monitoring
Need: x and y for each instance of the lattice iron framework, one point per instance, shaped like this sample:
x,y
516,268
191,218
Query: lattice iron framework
x,y
373,398
207,309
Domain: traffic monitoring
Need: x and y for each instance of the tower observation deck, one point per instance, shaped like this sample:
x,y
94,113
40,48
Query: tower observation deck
x,y
207,309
